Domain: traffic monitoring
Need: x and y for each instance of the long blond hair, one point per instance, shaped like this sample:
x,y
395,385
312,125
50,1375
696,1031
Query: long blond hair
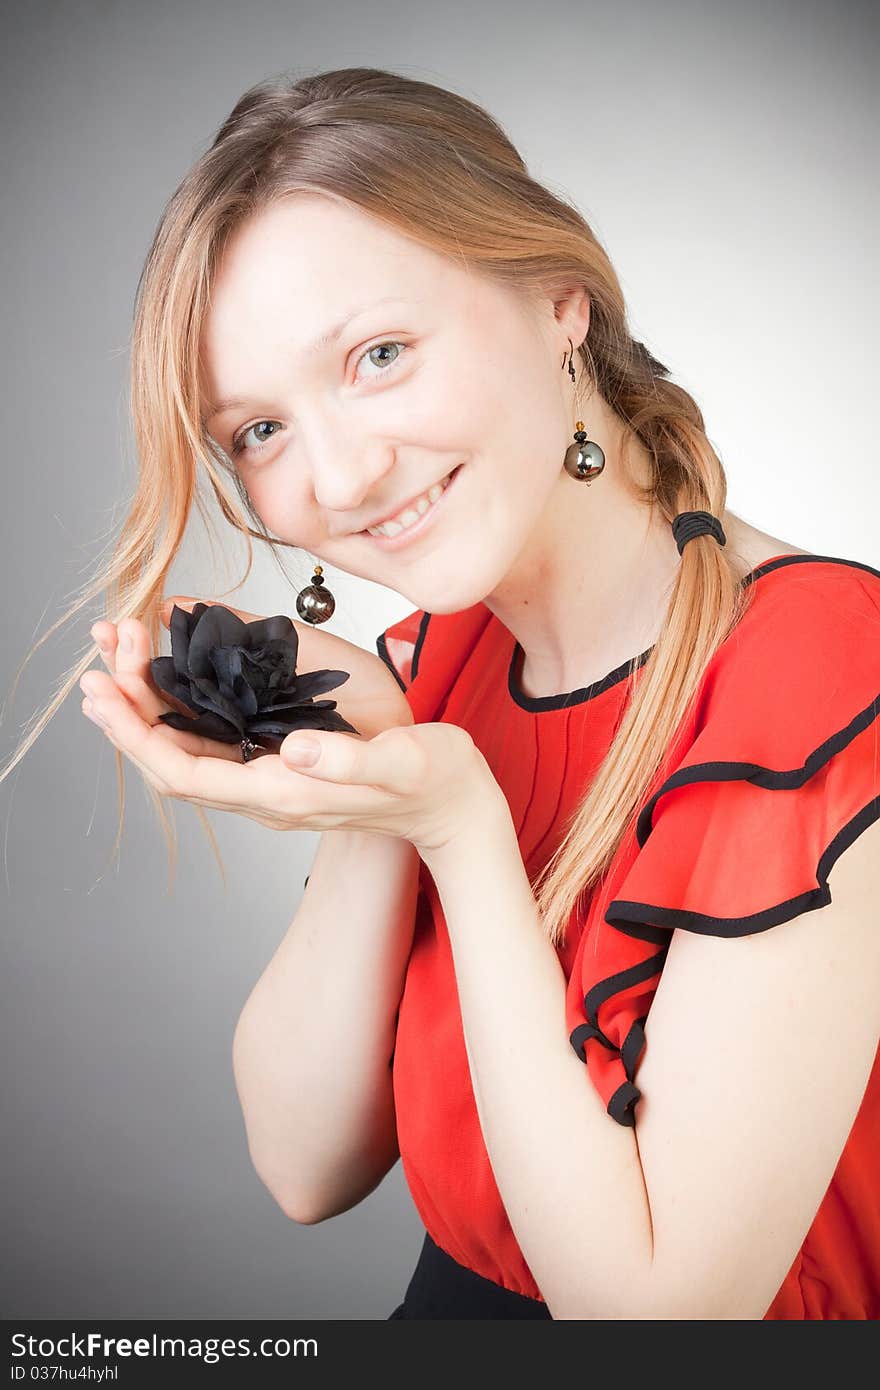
x,y
437,167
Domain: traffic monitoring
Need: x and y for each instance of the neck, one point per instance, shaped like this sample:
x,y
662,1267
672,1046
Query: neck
x,y
591,586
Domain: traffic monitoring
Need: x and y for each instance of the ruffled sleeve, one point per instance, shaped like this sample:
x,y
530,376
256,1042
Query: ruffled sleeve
x,y
775,775
427,652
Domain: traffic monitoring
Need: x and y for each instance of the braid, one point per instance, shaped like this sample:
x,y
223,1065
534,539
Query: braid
x,y
647,359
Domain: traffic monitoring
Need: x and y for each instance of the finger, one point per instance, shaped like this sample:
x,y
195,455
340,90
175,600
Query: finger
x,y
264,786
144,696
170,768
134,675
131,668
149,706
134,647
104,634
393,760
215,783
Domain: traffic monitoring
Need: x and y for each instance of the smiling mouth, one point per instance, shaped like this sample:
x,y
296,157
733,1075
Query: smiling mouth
x,y
415,513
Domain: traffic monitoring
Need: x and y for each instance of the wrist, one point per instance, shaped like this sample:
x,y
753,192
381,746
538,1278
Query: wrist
x,y
487,824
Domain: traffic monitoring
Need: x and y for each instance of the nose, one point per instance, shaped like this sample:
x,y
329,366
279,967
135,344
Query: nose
x,y
345,473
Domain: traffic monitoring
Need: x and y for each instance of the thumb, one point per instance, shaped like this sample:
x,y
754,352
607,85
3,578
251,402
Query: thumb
x,y
336,756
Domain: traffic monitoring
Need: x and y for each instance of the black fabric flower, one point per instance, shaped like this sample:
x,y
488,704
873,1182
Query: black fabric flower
x,y
240,679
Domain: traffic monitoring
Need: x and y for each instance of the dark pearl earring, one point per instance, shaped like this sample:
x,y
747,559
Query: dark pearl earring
x,y
315,603
584,459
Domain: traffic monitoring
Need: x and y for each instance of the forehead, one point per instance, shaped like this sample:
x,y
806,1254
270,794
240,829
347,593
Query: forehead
x,y
297,266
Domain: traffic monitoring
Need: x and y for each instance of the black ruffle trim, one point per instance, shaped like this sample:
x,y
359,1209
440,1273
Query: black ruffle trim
x,y
630,919
766,777
382,649
621,1106
648,922
628,916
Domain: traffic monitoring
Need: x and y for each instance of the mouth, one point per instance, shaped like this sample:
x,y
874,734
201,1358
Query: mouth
x,y
418,527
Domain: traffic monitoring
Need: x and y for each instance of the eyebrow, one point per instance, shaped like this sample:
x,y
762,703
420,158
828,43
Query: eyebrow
x,y
318,344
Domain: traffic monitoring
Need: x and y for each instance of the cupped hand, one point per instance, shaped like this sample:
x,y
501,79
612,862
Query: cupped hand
x,y
370,700
126,651
427,783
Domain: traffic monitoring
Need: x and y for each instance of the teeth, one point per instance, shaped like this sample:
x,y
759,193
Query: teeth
x,y
412,513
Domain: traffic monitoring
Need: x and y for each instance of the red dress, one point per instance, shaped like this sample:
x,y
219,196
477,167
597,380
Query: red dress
x,y
777,769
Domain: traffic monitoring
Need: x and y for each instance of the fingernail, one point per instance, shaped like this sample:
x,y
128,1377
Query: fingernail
x,y
304,752
125,639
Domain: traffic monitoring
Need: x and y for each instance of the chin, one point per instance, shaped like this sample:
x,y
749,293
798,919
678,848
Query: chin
x,y
453,597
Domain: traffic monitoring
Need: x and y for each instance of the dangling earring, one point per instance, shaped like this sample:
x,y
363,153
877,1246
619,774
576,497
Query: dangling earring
x,y
584,459
315,603
571,371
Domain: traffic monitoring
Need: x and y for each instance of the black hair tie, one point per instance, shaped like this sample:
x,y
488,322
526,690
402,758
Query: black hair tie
x,y
689,524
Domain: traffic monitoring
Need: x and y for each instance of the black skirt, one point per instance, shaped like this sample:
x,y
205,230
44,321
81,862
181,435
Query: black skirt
x,y
442,1288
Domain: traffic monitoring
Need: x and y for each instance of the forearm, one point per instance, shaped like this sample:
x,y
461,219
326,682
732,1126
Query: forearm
x,y
569,1176
313,1044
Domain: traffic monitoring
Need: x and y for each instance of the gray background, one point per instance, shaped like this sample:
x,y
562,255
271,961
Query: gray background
x,y
724,155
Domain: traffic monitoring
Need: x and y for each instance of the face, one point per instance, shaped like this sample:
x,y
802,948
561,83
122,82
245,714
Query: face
x,y
435,372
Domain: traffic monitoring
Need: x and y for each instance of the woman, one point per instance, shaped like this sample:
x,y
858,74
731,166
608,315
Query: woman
x,y
574,956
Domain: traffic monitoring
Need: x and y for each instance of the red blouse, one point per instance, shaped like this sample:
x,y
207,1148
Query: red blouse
x,y
789,703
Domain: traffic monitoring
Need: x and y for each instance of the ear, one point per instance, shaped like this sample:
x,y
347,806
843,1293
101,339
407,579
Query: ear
x,y
572,313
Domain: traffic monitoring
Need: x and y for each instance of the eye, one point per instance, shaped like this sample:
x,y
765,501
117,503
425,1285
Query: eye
x,y
238,443
377,347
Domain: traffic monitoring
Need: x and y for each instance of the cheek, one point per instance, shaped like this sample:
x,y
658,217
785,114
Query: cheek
x,y
466,402
282,506
443,407
506,406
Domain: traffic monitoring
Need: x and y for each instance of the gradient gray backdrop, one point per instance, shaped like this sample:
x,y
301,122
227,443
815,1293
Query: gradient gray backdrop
x,y
725,156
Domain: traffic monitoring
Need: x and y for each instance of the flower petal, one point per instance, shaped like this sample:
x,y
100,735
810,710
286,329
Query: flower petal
x,y
217,627
206,693
277,629
312,683
179,626
274,654
311,717
232,681
164,673
209,725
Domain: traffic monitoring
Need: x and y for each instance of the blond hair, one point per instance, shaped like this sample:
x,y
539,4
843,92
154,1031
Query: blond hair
x,y
437,167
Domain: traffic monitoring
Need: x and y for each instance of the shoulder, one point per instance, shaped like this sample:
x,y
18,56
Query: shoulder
x,y
777,770
796,601
828,593
795,683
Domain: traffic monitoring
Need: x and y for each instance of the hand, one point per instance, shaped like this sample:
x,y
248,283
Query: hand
x,y
370,700
427,783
